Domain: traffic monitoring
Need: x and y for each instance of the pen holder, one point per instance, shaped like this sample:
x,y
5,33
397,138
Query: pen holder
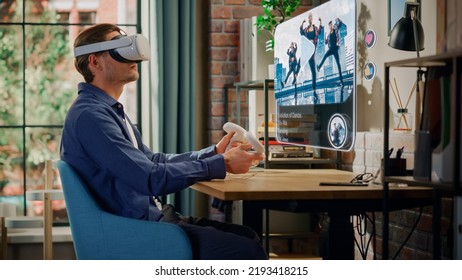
x,y
396,167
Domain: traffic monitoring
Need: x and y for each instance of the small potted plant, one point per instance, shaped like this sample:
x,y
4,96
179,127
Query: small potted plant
x,y
275,13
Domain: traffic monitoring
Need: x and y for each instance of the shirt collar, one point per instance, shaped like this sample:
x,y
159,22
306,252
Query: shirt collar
x,y
103,97
98,93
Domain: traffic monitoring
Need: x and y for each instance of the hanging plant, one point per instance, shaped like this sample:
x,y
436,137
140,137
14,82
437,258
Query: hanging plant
x,y
275,13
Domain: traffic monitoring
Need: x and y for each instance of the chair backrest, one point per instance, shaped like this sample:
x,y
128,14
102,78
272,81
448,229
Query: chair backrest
x,y
101,235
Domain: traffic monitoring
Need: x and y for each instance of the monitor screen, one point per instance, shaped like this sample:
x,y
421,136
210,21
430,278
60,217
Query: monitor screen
x,y
315,77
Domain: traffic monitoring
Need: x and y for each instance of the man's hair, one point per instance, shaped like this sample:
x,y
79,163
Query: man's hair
x,y
94,34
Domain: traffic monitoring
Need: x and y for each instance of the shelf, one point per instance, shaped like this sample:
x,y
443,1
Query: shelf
x,y
297,163
258,84
411,181
266,85
451,60
303,161
427,61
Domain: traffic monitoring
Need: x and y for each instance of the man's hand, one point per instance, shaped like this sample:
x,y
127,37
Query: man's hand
x,y
238,160
220,148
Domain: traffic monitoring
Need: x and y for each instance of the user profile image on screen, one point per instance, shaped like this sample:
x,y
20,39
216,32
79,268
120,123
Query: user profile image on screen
x,y
337,131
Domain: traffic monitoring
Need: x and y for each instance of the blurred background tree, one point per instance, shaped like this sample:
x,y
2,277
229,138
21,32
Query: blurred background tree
x,y
37,70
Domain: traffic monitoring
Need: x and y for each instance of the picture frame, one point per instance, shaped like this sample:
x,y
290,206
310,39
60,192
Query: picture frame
x,y
396,12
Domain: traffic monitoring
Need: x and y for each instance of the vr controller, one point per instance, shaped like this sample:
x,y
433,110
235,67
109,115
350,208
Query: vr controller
x,y
241,135
127,49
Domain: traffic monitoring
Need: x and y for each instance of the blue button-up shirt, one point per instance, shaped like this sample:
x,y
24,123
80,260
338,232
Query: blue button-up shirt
x,y
123,179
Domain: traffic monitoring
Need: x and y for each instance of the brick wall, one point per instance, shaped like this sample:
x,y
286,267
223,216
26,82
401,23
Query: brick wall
x,y
366,157
224,54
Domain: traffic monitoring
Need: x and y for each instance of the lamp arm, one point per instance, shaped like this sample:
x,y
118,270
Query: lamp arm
x,y
416,36
419,98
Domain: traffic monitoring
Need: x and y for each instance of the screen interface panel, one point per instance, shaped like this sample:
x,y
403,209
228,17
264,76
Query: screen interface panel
x,y
315,77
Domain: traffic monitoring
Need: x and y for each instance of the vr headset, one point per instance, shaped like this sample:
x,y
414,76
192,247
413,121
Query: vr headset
x,y
126,49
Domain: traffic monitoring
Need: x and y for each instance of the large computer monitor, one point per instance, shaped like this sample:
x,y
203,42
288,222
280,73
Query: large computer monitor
x,y
315,77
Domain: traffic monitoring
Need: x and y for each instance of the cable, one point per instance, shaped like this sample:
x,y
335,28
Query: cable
x,y
409,235
363,178
372,234
363,246
358,228
375,235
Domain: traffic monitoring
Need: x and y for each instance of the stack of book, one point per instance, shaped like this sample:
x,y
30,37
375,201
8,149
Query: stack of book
x,y
285,152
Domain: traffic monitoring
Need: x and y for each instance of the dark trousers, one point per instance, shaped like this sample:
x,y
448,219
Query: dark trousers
x,y
312,64
333,52
292,69
213,240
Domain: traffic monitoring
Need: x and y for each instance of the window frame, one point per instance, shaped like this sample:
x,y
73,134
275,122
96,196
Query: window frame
x,y
24,125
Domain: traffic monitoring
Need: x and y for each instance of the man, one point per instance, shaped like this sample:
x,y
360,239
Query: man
x,y
124,176
333,41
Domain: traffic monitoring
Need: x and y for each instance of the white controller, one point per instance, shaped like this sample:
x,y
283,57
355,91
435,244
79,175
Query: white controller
x,y
241,135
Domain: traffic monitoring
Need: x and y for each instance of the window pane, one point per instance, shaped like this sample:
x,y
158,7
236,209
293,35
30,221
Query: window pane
x,y
89,11
50,74
42,145
38,84
11,71
11,11
11,168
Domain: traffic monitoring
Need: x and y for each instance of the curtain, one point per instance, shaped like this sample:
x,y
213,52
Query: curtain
x,y
175,31
175,22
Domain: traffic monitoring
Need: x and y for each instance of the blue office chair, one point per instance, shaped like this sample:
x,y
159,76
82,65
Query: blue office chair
x,y
101,235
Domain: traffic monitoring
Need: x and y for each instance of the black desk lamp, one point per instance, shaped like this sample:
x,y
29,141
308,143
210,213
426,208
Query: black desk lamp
x,y
408,35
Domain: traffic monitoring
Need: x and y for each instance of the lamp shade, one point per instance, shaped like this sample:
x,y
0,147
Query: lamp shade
x,y
402,35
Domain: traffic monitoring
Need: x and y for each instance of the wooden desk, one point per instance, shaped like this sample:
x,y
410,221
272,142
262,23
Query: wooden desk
x,y
298,190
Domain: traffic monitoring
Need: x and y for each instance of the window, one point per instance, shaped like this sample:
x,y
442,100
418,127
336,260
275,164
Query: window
x,y
39,82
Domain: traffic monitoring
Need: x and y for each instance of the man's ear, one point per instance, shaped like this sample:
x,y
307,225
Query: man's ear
x,y
94,61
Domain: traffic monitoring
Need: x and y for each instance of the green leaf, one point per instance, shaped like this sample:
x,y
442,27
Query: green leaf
x,y
273,9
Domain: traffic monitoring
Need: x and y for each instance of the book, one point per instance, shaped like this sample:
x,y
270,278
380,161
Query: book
x,y
443,155
440,26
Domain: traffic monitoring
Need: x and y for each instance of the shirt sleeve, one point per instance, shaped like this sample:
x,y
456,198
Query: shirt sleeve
x,y
188,156
102,138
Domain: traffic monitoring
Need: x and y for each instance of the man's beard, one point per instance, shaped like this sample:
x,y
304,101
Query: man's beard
x,y
127,79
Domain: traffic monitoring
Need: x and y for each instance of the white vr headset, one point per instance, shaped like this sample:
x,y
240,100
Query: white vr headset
x,y
127,49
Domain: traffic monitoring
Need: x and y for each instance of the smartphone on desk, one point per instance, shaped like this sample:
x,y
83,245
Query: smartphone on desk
x,y
345,184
